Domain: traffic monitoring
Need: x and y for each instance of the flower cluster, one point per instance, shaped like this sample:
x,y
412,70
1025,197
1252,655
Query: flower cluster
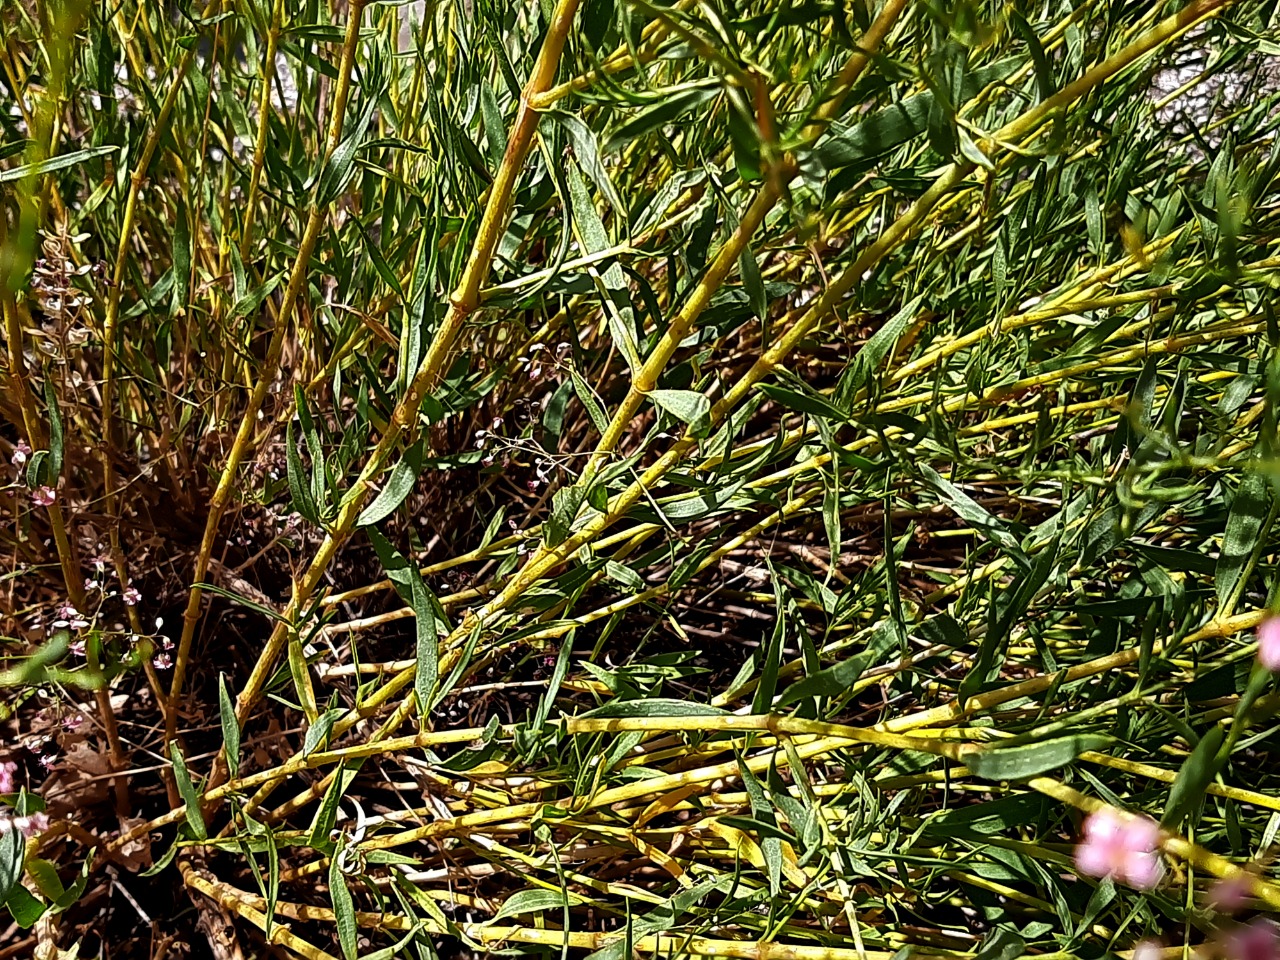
x,y
53,284
28,826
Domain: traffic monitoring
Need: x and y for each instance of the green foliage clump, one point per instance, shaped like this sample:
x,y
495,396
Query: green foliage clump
x,y
689,478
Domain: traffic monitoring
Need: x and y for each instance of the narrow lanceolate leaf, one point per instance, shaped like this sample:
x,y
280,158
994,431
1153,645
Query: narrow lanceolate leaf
x,y
56,440
403,476
587,152
230,726
687,406
612,281
894,125
333,179
873,352
12,853
836,680
426,610
974,513
1197,771
1031,759
1244,527
187,790
55,163
344,908
299,487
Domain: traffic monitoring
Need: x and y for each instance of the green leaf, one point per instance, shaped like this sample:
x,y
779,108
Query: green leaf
x,y
971,151
624,575
687,406
809,402
386,953
190,798
299,488
655,707
251,301
565,504
230,726
403,476
587,152
55,163
1001,944
495,130
425,610
1031,759
327,814
660,114
55,431
889,127
181,259
344,908
333,179
1244,526
23,907
46,878
38,472
13,850
836,680
318,733
873,352
1044,73
589,402
753,283
616,299
319,488
1200,767
534,901
762,700
241,600
976,515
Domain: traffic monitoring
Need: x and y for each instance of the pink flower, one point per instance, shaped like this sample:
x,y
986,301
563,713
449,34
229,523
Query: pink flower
x,y
69,616
162,661
131,596
30,826
43,496
7,770
1269,644
1230,894
1259,940
1121,846
20,453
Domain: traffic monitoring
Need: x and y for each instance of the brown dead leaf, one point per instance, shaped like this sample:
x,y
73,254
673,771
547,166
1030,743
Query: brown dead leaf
x,y
135,855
